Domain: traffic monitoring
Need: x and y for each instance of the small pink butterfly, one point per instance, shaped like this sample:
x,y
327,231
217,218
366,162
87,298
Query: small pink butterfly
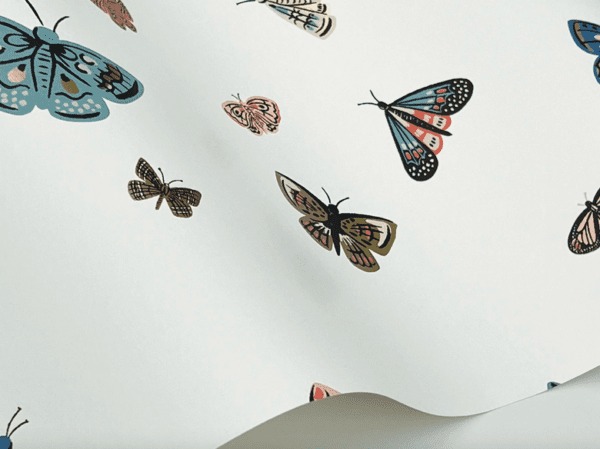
x,y
258,114
319,391
117,12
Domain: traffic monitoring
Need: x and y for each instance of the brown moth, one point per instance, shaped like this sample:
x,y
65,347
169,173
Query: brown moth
x,y
117,12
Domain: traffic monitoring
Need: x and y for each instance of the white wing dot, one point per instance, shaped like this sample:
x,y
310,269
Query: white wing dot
x,y
57,101
14,92
23,103
90,101
86,106
25,93
74,103
65,104
98,106
71,110
80,110
4,100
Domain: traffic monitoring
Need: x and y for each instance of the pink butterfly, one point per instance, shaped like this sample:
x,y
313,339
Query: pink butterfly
x,y
258,114
117,12
320,391
585,234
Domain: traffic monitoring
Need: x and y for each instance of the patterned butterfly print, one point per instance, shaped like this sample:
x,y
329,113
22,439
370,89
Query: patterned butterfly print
x,y
179,199
307,15
69,80
585,234
357,235
258,114
587,37
117,12
420,119
319,391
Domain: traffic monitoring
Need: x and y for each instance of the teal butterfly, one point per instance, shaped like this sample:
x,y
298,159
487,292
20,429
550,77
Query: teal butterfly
x,y
69,80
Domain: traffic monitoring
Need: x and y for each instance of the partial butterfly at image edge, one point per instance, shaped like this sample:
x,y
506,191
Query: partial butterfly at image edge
x,y
310,16
69,80
419,119
319,391
257,114
117,11
356,234
586,36
179,199
585,233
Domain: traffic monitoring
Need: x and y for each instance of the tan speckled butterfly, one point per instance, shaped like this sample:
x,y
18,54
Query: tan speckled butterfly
x,y
179,199
357,234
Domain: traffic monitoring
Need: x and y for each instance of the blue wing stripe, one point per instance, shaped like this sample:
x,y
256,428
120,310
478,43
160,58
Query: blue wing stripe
x,y
445,98
420,169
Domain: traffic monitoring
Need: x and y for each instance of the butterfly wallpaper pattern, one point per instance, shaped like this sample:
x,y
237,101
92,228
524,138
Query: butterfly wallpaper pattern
x,y
124,326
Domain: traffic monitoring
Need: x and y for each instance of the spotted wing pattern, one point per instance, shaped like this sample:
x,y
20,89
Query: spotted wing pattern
x,y
318,231
117,11
319,391
376,234
585,234
359,256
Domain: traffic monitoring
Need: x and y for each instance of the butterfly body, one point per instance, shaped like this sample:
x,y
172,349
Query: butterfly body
x,y
585,233
71,81
418,121
587,37
179,199
357,235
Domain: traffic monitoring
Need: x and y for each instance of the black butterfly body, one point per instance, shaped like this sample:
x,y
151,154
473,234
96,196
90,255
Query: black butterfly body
x,y
356,234
179,199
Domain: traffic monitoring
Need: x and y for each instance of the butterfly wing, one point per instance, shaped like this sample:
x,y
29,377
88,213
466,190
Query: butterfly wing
x,y
360,257
83,79
587,37
301,199
374,233
418,160
267,110
145,172
243,116
318,231
180,199
117,12
139,190
319,391
307,15
585,234
445,98
17,47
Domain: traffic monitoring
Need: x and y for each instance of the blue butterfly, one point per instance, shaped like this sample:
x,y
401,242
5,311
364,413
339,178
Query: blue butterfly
x,y
71,81
420,119
587,37
5,441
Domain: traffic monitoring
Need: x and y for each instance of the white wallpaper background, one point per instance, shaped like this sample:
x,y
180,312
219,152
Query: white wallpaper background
x,y
123,326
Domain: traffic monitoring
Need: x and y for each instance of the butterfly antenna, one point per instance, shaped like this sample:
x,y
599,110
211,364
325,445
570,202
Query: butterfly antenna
x,y
373,95
11,420
59,20
329,199
175,180
245,1
585,195
34,11
347,198
15,429
162,174
237,98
